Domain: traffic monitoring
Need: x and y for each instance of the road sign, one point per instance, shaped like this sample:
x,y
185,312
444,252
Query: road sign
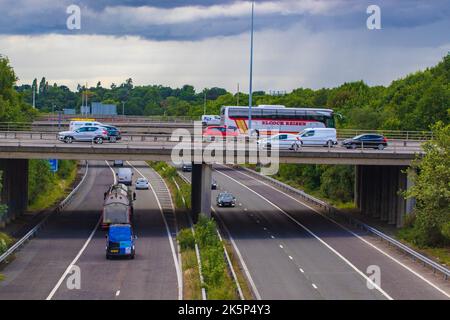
x,y
53,164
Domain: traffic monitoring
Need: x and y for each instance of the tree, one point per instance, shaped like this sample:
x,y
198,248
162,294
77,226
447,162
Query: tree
x,y
431,189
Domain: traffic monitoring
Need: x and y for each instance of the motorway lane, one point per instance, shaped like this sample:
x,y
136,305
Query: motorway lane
x,y
151,275
41,262
284,261
396,280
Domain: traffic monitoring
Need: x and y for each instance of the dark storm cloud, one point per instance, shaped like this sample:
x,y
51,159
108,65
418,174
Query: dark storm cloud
x,y
199,19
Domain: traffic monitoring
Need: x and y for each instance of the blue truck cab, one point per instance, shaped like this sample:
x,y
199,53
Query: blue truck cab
x,y
120,241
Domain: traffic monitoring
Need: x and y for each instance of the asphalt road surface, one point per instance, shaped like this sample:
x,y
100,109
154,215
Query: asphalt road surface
x,y
293,252
71,237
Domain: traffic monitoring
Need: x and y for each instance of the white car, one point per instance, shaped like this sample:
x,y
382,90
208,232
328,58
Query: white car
x,y
142,183
282,141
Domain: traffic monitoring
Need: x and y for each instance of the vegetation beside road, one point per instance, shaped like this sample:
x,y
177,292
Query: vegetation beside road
x,y
46,188
429,225
218,282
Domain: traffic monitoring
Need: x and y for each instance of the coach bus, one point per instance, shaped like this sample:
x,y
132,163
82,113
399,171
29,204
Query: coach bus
x,y
266,118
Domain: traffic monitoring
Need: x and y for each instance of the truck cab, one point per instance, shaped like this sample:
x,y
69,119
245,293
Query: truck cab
x,y
120,241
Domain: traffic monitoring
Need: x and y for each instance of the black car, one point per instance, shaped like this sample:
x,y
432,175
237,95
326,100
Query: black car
x,y
226,199
214,185
186,167
376,141
113,133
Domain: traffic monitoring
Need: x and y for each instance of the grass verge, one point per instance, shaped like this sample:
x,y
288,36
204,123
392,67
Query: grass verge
x,y
5,242
218,282
58,191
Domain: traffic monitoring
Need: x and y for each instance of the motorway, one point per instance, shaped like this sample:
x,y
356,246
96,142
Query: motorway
x,y
287,249
41,270
293,252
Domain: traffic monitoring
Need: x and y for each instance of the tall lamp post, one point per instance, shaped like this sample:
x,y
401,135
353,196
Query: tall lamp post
x,y
250,98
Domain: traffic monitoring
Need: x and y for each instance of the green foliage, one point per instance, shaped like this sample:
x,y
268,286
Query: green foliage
x,y
12,107
336,183
43,182
186,239
213,262
431,190
40,179
5,242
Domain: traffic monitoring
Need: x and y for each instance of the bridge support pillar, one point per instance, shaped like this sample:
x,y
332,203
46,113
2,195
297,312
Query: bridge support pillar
x,y
15,188
378,193
201,190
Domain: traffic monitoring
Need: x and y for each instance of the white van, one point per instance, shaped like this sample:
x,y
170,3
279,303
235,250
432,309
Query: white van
x,y
318,137
125,176
75,124
210,120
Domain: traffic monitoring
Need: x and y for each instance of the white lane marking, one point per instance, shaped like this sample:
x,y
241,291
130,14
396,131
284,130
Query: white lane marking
x,y
117,293
243,264
69,268
314,235
290,257
359,237
301,270
281,246
314,286
172,247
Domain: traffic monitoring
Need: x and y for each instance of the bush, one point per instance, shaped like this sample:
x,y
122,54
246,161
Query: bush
x,y
5,242
186,239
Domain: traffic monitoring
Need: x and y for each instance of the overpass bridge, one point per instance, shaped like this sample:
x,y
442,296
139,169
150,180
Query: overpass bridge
x,y
379,174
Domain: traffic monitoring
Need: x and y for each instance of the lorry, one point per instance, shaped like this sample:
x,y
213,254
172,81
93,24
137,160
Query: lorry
x,y
117,206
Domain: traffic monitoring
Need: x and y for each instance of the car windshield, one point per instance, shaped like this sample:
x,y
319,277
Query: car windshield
x,y
358,137
226,197
116,213
117,234
141,180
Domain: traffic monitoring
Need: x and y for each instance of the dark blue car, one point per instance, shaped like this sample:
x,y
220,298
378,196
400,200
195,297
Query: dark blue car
x,y
120,241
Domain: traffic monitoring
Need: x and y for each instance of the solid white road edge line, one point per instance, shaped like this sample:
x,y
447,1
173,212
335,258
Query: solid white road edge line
x,y
69,268
357,236
315,236
172,247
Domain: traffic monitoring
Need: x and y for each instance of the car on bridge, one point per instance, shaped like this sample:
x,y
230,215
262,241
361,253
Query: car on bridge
x,y
213,132
226,199
282,141
84,134
113,133
120,241
376,141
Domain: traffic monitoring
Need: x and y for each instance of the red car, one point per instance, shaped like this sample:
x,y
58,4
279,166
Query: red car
x,y
219,131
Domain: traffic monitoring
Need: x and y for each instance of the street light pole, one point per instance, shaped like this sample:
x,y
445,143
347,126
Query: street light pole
x,y
34,96
250,98
123,109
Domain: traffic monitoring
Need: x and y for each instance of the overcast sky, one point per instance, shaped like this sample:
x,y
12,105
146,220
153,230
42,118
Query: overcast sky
x,y
298,43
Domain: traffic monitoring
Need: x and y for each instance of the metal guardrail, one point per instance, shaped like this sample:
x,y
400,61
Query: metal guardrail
x,y
331,210
36,228
341,133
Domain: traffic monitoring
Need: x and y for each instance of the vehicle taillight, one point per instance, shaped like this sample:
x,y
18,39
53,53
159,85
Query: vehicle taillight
x,y
384,139
105,132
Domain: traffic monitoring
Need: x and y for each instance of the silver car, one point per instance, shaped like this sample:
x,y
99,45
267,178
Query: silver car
x,y
280,141
86,134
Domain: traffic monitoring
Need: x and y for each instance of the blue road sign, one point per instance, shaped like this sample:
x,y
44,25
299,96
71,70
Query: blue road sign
x,y
53,164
